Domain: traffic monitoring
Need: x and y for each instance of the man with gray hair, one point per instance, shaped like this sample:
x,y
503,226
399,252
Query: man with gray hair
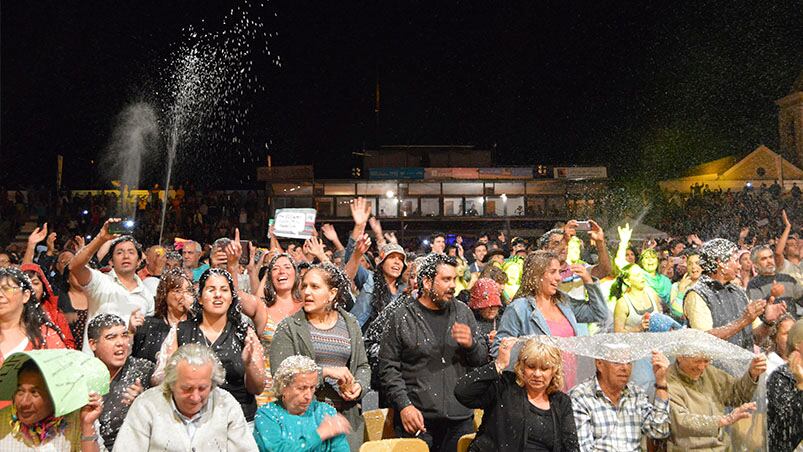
x,y
191,253
188,411
770,283
723,309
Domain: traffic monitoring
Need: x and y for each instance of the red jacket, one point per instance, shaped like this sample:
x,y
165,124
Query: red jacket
x,y
51,306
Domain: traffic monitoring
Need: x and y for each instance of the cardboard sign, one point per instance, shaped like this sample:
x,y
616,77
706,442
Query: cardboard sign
x,y
70,376
294,223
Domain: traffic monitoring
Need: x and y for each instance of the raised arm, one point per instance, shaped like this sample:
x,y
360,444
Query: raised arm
x,y
781,246
624,242
36,236
603,268
78,264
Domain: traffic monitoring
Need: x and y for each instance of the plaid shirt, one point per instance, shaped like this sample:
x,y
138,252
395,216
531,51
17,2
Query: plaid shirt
x,y
601,426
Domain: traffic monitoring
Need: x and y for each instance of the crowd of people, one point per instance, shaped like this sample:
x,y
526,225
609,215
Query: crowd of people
x,y
222,345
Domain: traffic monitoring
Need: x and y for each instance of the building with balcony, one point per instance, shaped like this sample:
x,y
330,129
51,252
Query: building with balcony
x,y
416,200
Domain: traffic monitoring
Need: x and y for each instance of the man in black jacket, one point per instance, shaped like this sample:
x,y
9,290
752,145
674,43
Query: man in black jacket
x,y
428,345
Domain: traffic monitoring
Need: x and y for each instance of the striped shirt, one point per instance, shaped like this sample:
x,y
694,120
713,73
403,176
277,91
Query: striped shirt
x,y
603,426
332,346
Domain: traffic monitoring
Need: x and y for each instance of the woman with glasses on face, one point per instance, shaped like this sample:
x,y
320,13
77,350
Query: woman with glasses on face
x,y
174,297
23,325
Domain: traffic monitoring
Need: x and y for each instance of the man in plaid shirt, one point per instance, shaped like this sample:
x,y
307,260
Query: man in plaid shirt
x,y
612,415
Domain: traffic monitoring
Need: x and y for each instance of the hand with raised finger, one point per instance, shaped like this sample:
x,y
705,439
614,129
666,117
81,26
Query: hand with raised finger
x,y
776,289
624,232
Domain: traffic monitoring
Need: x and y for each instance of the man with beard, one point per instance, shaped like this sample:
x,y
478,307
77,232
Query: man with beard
x,y
121,291
715,305
768,283
430,343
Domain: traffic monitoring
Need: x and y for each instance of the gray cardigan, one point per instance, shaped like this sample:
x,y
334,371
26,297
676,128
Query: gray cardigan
x,y
292,337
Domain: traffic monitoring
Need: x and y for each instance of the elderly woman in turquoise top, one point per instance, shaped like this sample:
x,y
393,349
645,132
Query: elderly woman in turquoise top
x,y
297,421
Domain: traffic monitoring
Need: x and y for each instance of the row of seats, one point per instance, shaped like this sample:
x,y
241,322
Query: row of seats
x,y
380,436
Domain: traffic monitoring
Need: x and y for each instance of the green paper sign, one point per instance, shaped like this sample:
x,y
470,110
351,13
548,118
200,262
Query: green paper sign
x,y
70,376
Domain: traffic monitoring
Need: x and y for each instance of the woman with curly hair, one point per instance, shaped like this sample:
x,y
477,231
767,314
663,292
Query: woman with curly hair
x,y
216,321
280,299
539,308
23,324
327,333
174,298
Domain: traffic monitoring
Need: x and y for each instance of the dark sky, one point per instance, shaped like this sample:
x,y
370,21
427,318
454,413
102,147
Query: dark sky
x,y
605,82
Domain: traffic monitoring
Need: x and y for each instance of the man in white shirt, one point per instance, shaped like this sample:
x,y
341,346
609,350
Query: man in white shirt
x,y
121,291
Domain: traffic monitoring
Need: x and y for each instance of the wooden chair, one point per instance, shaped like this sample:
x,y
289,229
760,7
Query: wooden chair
x,y
395,445
477,419
465,441
378,424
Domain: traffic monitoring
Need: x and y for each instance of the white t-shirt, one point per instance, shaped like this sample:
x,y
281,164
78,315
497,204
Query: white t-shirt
x,y
106,295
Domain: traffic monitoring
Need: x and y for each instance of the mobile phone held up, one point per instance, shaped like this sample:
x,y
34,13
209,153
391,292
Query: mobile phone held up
x,y
125,226
584,225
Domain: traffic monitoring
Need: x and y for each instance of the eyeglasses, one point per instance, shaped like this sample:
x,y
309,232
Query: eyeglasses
x,y
183,292
9,290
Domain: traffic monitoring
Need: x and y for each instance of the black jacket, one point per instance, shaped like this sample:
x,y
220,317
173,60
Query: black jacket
x,y
413,370
505,407
784,411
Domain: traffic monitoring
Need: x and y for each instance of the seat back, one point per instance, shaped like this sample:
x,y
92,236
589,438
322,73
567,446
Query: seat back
x,y
465,441
378,424
395,445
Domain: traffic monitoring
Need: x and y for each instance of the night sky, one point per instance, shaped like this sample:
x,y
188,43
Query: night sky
x,y
637,87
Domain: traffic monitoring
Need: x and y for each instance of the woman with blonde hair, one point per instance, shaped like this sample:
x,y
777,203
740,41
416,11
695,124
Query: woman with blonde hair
x,y
524,409
539,308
